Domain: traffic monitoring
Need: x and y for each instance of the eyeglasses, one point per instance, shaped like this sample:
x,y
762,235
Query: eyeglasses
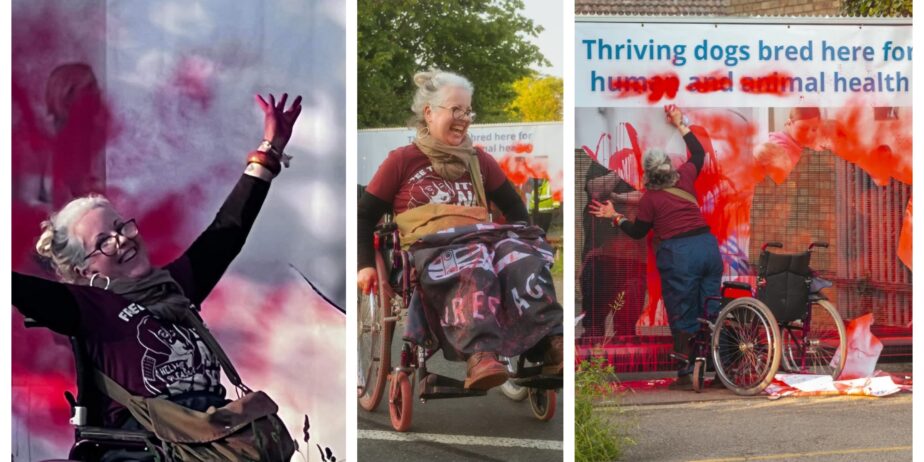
x,y
458,113
109,245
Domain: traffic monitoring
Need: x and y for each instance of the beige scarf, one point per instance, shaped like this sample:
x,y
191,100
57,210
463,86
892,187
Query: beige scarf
x,y
451,162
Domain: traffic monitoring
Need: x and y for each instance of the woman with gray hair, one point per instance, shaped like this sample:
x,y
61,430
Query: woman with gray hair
x,y
688,256
133,317
441,182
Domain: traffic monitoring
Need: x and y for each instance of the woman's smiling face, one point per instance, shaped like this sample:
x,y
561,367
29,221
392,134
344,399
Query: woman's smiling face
x,y
129,257
440,120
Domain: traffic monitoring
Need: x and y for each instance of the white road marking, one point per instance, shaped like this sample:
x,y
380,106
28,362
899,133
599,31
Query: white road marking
x,y
460,440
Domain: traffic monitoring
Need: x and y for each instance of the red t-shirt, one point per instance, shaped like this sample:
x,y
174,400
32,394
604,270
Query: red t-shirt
x,y
668,214
406,179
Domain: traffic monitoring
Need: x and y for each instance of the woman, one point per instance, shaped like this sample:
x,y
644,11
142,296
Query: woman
x,y
131,315
688,257
441,181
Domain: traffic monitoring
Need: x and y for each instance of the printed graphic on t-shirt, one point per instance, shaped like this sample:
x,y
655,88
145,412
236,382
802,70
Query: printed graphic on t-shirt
x,y
176,360
426,187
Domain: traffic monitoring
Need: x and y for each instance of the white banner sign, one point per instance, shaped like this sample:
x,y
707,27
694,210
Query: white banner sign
x,y
545,139
740,65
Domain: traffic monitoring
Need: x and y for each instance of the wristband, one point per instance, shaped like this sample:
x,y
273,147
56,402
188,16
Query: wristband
x,y
267,147
266,160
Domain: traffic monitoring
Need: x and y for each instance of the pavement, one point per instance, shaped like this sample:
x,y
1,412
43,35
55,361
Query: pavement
x,y
485,428
720,426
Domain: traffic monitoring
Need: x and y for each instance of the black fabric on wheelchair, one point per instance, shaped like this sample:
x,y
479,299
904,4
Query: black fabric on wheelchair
x,y
784,284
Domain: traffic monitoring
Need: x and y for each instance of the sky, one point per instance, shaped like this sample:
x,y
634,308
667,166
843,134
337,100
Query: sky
x,y
550,40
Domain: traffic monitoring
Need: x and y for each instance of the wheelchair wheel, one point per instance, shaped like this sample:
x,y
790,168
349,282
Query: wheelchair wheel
x,y
543,403
374,342
819,349
510,389
400,401
699,375
746,346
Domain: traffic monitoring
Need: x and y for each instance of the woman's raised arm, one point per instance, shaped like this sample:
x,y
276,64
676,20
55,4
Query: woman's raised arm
x,y
214,250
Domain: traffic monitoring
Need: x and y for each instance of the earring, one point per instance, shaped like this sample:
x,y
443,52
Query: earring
x,y
423,132
95,275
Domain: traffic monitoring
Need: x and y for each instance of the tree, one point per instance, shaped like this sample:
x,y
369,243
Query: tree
x,y
487,41
878,7
538,99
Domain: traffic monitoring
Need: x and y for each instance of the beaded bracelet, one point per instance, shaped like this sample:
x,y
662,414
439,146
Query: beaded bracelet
x,y
268,161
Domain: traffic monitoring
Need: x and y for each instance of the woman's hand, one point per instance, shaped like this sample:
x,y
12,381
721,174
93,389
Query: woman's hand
x,y
366,280
277,121
675,118
602,209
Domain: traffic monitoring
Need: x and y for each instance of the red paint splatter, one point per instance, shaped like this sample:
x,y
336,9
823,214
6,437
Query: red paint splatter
x,y
656,86
776,84
882,148
193,80
520,166
710,83
904,239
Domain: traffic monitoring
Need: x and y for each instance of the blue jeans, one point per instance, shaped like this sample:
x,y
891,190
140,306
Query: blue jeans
x,y
691,270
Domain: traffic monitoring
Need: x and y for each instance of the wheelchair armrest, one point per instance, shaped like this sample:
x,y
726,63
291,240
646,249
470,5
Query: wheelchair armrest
x,y
775,244
736,285
111,435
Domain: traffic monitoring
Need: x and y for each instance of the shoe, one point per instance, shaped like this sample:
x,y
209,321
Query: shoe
x,y
683,382
553,359
485,371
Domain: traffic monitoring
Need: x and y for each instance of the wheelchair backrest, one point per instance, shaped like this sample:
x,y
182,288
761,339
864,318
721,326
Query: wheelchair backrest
x,y
783,284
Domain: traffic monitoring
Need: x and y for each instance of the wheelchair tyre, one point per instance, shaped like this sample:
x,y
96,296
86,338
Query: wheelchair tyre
x,y
374,340
746,346
823,346
543,403
400,401
510,389
699,375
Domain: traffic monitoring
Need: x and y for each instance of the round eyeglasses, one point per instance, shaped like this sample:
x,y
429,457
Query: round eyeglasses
x,y
458,113
109,245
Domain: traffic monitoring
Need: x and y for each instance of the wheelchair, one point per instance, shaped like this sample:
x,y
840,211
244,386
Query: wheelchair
x,y
91,439
378,315
785,323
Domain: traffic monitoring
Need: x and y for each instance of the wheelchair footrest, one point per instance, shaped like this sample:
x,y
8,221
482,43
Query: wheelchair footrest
x,y
435,386
541,382
679,356
115,435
